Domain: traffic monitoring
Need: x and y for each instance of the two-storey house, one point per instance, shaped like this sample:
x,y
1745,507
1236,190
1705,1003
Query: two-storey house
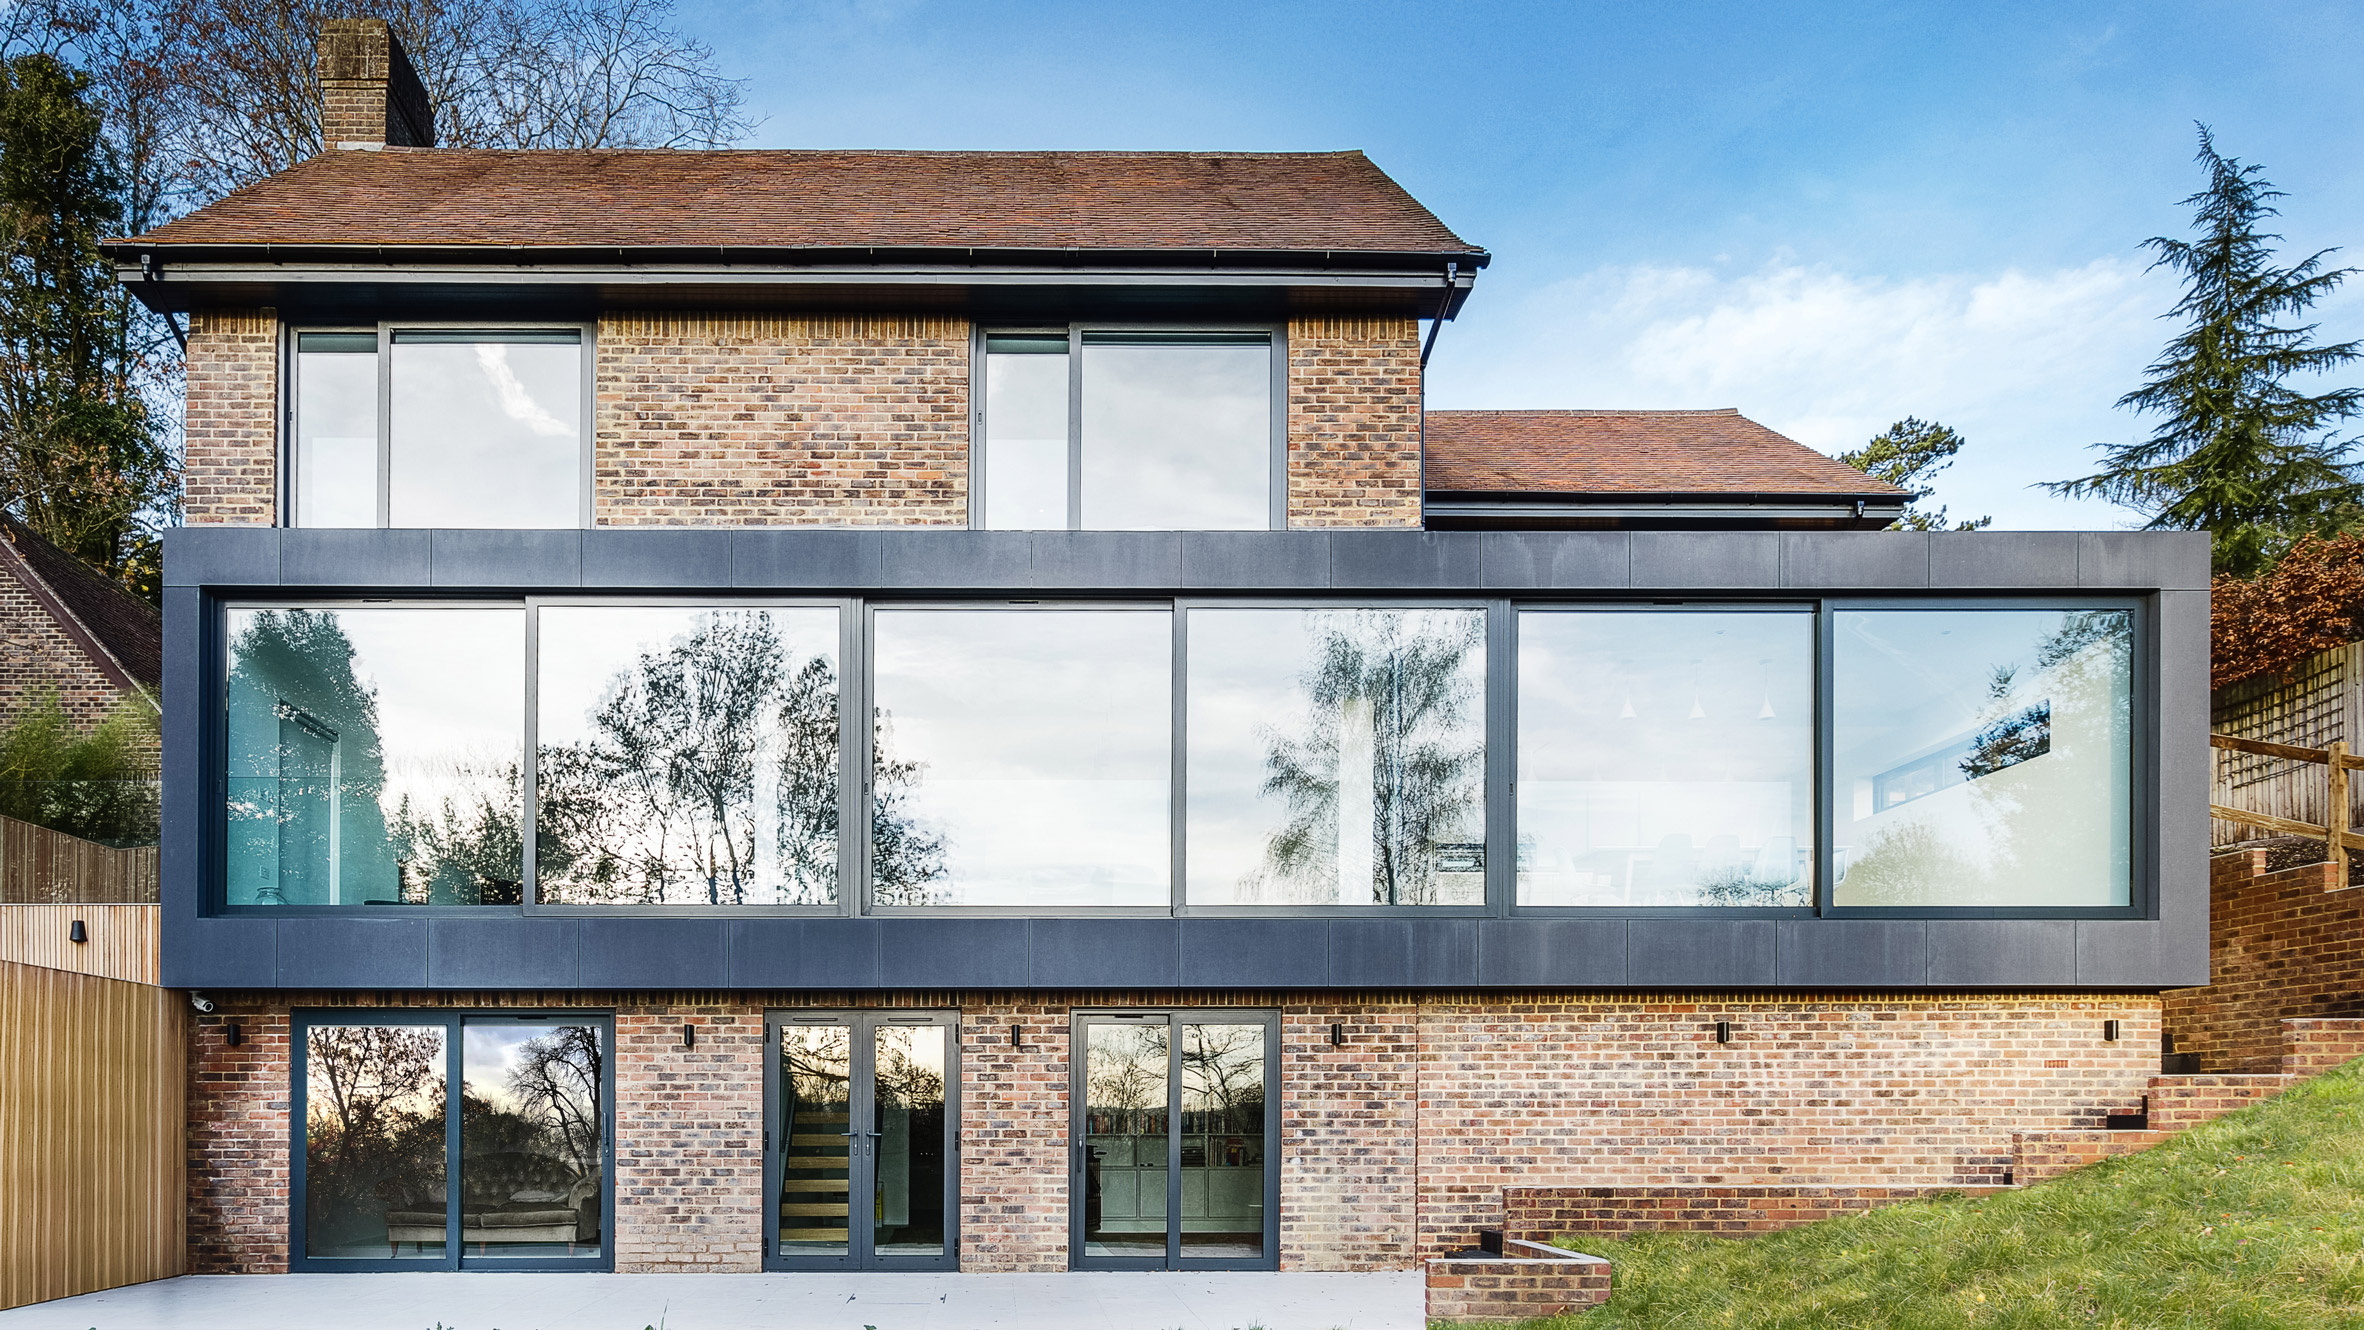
x,y
928,710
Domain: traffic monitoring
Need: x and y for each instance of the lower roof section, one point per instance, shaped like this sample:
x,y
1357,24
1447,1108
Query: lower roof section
x,y
323,952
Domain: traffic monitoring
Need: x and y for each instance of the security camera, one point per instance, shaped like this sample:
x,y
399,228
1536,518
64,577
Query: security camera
x,y
202,1003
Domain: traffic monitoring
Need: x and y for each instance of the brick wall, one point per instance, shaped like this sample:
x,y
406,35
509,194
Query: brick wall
x,y
754,420
1542,1213
1354,422
37,656
1396,1145
2286,945
230,469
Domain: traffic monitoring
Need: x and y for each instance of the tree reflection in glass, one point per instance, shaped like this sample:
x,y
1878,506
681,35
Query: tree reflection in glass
x,y
1222,1149
532,1149
373,756
687,756
1665,758
907,1110
1336,757
1126,1071
374,1141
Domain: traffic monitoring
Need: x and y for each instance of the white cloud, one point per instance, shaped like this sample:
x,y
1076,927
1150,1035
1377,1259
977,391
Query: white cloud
x,y
2025,364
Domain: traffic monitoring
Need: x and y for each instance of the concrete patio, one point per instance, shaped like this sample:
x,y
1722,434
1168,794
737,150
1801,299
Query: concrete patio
x,y
1214,1300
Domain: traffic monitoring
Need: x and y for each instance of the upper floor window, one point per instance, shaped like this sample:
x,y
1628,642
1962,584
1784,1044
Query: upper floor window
x,y
439,427
1129,430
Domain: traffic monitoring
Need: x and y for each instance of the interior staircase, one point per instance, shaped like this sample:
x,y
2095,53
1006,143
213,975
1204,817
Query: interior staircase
x,y
816,1181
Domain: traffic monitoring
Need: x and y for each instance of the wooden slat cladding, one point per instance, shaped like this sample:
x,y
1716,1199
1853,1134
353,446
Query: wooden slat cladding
x,y
119,940
92,1171
41,867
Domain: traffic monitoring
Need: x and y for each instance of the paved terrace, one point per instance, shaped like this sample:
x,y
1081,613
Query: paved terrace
x,y
477,1301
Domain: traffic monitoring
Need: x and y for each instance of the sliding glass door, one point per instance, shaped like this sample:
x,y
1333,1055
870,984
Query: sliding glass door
x,y
1174,1114
433,1141
861,1140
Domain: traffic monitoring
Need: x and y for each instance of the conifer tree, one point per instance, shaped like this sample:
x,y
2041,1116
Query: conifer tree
x,y
2239,451
1905,455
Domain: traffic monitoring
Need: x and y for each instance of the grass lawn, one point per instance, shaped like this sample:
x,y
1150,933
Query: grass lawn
x,y
2254,1220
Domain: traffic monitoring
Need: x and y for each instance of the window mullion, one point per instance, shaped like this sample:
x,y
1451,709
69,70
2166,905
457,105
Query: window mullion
x,y
1074,427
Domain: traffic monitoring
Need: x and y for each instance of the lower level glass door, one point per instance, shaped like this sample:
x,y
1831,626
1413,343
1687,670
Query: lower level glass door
x,y
1174,1111
862,1141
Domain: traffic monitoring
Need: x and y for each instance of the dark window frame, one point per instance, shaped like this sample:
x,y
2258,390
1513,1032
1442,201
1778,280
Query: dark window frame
x,y
453,1021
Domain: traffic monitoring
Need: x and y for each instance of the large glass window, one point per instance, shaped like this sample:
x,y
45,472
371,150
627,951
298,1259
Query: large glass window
x,y
1982,757
1175,431
1336,757
483,428
374,755
1665,758
686,755
1021,757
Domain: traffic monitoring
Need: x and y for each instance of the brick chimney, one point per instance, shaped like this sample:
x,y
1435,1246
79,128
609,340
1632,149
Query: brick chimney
x,y
370,97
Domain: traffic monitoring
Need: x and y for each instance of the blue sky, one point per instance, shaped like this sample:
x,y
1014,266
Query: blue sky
x,y
1829,215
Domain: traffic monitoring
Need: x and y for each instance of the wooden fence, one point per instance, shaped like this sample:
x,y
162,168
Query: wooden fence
x,y
93,1181
43,867
2336,761
118,941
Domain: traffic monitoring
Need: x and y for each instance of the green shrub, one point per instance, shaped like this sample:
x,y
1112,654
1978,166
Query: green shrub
x,y
99,785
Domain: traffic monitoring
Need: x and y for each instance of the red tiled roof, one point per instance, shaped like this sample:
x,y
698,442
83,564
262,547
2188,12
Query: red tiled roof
x,y
1123,201
1628,452
122,634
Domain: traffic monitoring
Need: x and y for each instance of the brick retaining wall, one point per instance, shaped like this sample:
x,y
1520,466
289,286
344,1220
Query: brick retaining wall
x,y
2285,945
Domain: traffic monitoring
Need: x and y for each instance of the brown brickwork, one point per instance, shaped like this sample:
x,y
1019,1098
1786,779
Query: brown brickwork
x,y
1539,1214
759,420
229,473
1526,1280
38,656
1396,1145
2286,945
2040,1156
1354,422
2312,1046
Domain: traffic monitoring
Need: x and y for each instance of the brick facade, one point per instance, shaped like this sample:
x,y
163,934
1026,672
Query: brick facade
x,y
2284,945
1396,1145
38,656
1354,422
759,420
230,471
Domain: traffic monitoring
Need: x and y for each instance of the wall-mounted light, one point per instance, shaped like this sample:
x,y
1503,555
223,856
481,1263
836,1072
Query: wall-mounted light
x,y
232,1035
1017,1030
75,932
689,1035
1337,1034
1723,1032
2109,1031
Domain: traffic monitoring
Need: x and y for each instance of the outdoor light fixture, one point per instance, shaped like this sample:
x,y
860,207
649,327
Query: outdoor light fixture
x,y
2109,1031
1015,1030
1337,1034
232,1035
689,1035
1723,1032
75,932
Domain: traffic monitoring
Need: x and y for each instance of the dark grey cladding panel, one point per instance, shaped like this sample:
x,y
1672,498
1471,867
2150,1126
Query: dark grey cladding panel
x,y
362,559
802,560
952,953
650,953
1994,953
2184,769
1255,953
1256,560
1855,560
505,558
804,953
625,557
1421,953
501,953
1103,953
1403,561
2142,561
1555,560
1850,952
221,556
187,810
1691,952
2002,560
323,951
951,560
2135,953
1112,560
1706,560
1580,953
220,953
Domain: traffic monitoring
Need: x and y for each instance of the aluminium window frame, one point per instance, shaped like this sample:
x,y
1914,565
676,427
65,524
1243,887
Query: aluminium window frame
x,y
980,478
453,1021
2144,716
291,410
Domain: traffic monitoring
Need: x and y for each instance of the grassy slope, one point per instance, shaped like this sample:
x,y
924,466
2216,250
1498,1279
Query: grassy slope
x,y
2254,1220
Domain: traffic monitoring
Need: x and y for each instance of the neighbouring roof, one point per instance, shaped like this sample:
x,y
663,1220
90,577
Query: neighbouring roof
x,y
1572,454
600,199
122,634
